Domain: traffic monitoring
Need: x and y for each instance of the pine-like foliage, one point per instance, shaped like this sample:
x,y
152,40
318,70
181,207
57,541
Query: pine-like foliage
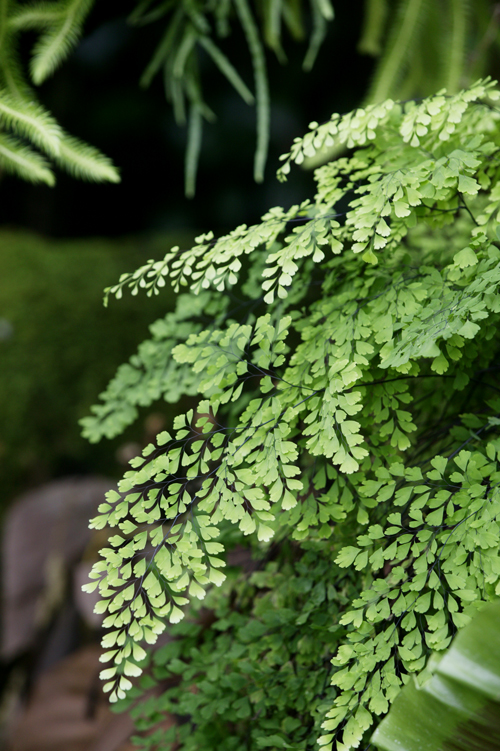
x,y
26,129
346,354
189,29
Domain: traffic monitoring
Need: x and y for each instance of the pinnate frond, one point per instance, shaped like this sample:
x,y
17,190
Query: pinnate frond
x,y
19,159
36,15
84,161
55,45
30,120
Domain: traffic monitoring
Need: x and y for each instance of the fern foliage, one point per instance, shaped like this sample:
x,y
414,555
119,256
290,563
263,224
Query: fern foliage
x,y
423,46
26,128
345,354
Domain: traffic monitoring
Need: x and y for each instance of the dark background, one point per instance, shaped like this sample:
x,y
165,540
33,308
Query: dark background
x,y
95,95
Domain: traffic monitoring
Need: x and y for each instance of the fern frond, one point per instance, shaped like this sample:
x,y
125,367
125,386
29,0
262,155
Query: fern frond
x,y
84,161
18,159
35,16
326,9
11,73
161,52
293,19
195,133
184,51
175,93
261,86
402,39
272,27
221,12
227,69
197,18
193,89
30,120
54,46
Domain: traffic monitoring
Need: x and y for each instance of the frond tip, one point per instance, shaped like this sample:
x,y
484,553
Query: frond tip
x,y
84,161
19,159
56,43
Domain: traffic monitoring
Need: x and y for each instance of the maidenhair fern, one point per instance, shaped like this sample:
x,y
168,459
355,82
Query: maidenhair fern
x,y
423,46
345,353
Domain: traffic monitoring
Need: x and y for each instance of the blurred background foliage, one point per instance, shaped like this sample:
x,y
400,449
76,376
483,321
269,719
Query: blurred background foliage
x,y
59,347
96,95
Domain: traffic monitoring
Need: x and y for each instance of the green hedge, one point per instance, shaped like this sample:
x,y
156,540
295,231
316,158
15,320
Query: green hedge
x,y
59,347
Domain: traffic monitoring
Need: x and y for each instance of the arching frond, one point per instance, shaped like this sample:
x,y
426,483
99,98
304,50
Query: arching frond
x,y
12,76
36,16
56,44
18,159
30,120
86,162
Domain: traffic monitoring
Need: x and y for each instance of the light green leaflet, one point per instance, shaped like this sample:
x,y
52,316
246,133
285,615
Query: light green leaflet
x,y
345,362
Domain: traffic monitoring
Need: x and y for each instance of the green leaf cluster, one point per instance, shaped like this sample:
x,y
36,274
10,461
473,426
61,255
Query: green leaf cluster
x,y
345,353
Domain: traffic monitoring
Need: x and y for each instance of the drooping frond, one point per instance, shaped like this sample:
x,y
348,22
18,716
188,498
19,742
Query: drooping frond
x,y
189,26
374,20
85,162
55,44
142,15
18,159
321,13
272,12
261,86
227,69
195,132
163,49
